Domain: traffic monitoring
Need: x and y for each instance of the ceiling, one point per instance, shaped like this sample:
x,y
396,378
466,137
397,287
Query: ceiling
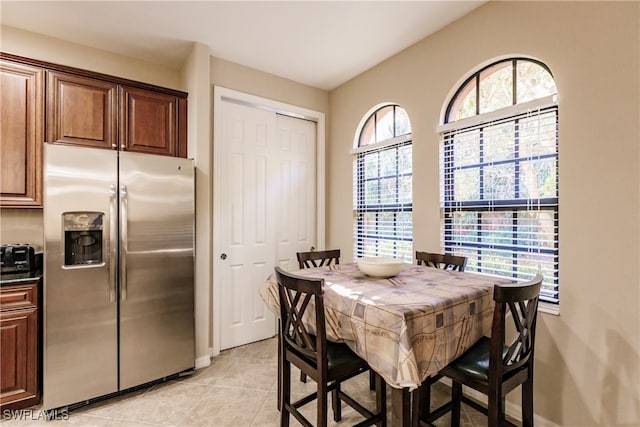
x,y
318,43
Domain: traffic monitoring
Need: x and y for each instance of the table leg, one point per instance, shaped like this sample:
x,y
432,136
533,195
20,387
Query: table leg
x,y
400,407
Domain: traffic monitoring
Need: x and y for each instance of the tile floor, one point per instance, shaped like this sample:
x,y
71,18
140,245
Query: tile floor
x,y
238,389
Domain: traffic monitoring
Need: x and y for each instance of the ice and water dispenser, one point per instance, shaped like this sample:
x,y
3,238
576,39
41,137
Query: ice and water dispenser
x,y
83,238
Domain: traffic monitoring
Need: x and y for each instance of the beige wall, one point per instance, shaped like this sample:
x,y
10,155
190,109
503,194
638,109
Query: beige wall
x,y
195,75
588,357
21,226
37,46
234,76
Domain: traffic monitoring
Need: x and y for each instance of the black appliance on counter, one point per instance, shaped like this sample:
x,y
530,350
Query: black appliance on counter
x,y
18,258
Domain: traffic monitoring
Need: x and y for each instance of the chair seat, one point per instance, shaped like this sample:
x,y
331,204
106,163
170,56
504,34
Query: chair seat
x,y
473,363
341,360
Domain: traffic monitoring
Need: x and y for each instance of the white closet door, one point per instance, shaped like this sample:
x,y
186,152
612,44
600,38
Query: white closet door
x,y
266,213
296,211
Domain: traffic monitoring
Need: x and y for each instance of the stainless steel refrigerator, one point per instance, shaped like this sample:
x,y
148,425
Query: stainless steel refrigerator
x,y
119,271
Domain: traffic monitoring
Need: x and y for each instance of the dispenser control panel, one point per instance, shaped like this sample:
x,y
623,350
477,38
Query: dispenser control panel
x,y
83,238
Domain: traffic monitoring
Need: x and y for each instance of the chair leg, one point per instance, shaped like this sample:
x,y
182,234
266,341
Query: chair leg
x,y
279,391
372,380
424,396
285,394
380,387
496,405
322,405
456,395
527,402
335,403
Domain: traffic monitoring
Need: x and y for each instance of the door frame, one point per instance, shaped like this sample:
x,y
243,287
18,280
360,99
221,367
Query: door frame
x,y
220,95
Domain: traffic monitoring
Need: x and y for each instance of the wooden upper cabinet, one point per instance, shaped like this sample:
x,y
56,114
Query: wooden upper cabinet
x,y
21,134
101,114
148,122
81,111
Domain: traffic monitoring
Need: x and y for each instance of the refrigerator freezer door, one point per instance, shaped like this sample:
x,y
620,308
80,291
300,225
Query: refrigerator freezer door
x,y
80,355
157,267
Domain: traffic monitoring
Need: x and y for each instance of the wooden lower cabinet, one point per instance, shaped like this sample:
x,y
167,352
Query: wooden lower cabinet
x,y
19,346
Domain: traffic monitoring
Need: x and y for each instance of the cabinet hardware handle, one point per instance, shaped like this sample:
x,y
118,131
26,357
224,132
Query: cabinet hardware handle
x,y
223,256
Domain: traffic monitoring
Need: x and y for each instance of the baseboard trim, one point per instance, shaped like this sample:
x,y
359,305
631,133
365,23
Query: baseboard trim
x,y
204,361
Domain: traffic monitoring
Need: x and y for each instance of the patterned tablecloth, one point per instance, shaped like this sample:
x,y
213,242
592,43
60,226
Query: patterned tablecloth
x,y
406,327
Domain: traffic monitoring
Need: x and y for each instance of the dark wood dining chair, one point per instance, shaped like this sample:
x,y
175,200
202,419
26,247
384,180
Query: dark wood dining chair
x,y
326,362
318,258
313,259
497,365
444,261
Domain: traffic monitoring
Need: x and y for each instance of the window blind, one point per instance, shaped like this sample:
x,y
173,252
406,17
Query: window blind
x,y
382,185
499,196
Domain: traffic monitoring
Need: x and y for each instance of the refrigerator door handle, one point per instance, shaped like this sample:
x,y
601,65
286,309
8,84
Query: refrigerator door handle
x,y
113,247
123,242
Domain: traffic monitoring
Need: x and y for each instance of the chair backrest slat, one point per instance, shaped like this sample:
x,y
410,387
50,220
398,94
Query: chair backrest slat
x,y
443,261
318,258
521,299
299,296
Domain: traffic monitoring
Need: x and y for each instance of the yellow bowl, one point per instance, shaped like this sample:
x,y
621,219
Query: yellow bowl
x,y
380,266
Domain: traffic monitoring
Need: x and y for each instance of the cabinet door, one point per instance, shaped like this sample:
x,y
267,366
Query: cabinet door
x,y
19,351
148,122
21,135
81,111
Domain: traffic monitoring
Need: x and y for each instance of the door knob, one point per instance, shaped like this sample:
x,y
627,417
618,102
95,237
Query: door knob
x,y
223,256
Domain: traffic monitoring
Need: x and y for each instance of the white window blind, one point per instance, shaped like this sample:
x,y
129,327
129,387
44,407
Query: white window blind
x,y
382,183
499,196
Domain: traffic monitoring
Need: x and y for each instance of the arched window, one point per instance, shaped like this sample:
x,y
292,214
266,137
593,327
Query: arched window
x,y
499,172
382,185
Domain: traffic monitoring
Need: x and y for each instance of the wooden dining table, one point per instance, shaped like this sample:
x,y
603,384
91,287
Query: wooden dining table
x,y
406,327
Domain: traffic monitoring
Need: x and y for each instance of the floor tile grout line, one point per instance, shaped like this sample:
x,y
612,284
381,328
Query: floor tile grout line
x,y
264,402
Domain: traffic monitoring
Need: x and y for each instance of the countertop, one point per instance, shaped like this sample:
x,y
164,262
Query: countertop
x,y
18,278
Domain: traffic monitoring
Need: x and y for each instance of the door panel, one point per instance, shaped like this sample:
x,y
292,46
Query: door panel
x,y
247,232
156,271
267,211
80,324
296,218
